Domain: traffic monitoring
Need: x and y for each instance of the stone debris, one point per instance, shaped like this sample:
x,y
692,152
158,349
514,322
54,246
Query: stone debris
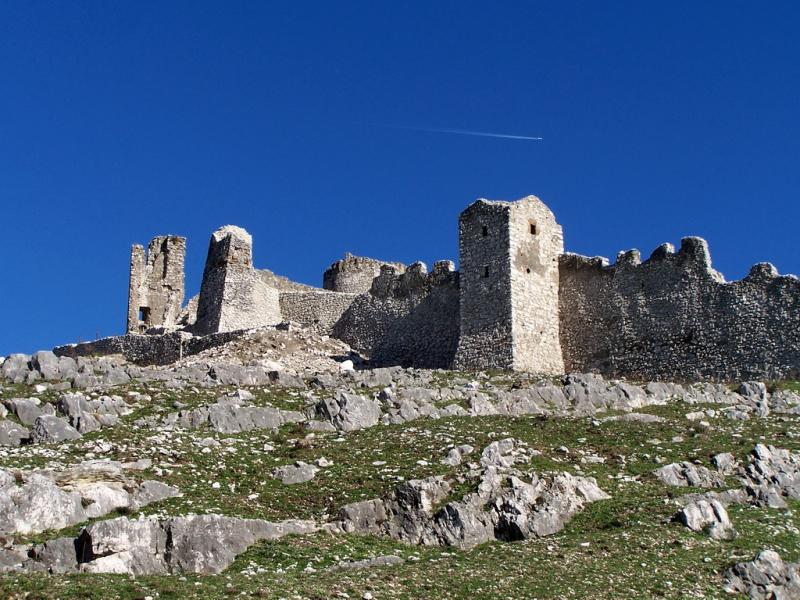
x,y
766,577
389,560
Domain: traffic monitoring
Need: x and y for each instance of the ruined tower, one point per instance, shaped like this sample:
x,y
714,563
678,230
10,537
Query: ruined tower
x,y
155,291
233,295
508,254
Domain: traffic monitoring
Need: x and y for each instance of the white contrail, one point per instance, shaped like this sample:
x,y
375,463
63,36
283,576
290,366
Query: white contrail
x,y
506,136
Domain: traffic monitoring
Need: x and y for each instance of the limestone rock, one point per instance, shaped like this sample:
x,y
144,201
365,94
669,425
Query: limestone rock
x,y
202,544
686,474
707,515
508,505
766,577
49,429
12,434
299,472
349,412
37,505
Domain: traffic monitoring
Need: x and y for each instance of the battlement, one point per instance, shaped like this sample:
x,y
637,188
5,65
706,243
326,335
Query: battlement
x,y
674,315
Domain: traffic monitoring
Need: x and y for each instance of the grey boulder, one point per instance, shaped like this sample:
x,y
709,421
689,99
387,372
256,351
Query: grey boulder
x,y
48,429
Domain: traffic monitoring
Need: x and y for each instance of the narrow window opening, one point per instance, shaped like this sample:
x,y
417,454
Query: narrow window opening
x,y
144,314
533,228
484,231
486,271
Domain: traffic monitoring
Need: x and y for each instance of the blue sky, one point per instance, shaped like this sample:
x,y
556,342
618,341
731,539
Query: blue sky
x,y
301,121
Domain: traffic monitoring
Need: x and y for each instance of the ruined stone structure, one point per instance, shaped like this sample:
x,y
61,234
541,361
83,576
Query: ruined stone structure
x,y
233,295
517,302
155,292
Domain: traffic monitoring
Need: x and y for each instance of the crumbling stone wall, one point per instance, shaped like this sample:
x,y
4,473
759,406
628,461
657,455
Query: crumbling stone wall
x,y
354,274
163,349
674,316
408,318
233,295
317,309
156,284
509,286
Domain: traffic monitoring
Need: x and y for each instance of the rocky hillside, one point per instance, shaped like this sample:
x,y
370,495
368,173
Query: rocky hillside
x,y
272,468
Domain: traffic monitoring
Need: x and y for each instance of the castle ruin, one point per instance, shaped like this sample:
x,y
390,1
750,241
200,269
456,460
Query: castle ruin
x,y
518,301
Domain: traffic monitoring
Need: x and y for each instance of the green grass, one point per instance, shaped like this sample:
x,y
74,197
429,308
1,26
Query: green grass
x,y
622,547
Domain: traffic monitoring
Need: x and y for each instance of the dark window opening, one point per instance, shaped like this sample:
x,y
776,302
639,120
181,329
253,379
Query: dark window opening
x,y
533,228
484,231
528,270
144,314
486,271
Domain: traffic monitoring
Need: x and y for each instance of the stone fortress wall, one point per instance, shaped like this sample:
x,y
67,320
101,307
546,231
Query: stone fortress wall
x,y
406,318
674,316
518,302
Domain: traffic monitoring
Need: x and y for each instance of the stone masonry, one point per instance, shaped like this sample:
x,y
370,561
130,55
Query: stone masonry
x,y
509,287
233,295
354,274
156,288
517,302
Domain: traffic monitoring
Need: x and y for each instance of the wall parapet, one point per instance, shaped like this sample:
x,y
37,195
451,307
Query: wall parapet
x,y
674,315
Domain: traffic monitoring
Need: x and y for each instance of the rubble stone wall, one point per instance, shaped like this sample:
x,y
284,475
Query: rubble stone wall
x,y
233,295
408,318
485,279
317,309
674,316
355,274
536,242
160,349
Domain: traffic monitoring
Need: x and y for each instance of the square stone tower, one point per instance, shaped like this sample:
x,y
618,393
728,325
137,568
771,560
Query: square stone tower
x,y
233,295
508,253
156,285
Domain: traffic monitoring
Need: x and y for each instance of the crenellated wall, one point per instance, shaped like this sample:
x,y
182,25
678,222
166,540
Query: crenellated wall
x,y
408,318
674,316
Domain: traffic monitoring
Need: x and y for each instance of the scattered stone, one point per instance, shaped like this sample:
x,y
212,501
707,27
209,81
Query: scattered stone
x,y
390,560
299,472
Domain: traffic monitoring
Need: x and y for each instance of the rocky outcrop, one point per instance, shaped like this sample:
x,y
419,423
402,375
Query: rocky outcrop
x,y
709,516
349,412
233,414
687,474
507,505
35,501
766,577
